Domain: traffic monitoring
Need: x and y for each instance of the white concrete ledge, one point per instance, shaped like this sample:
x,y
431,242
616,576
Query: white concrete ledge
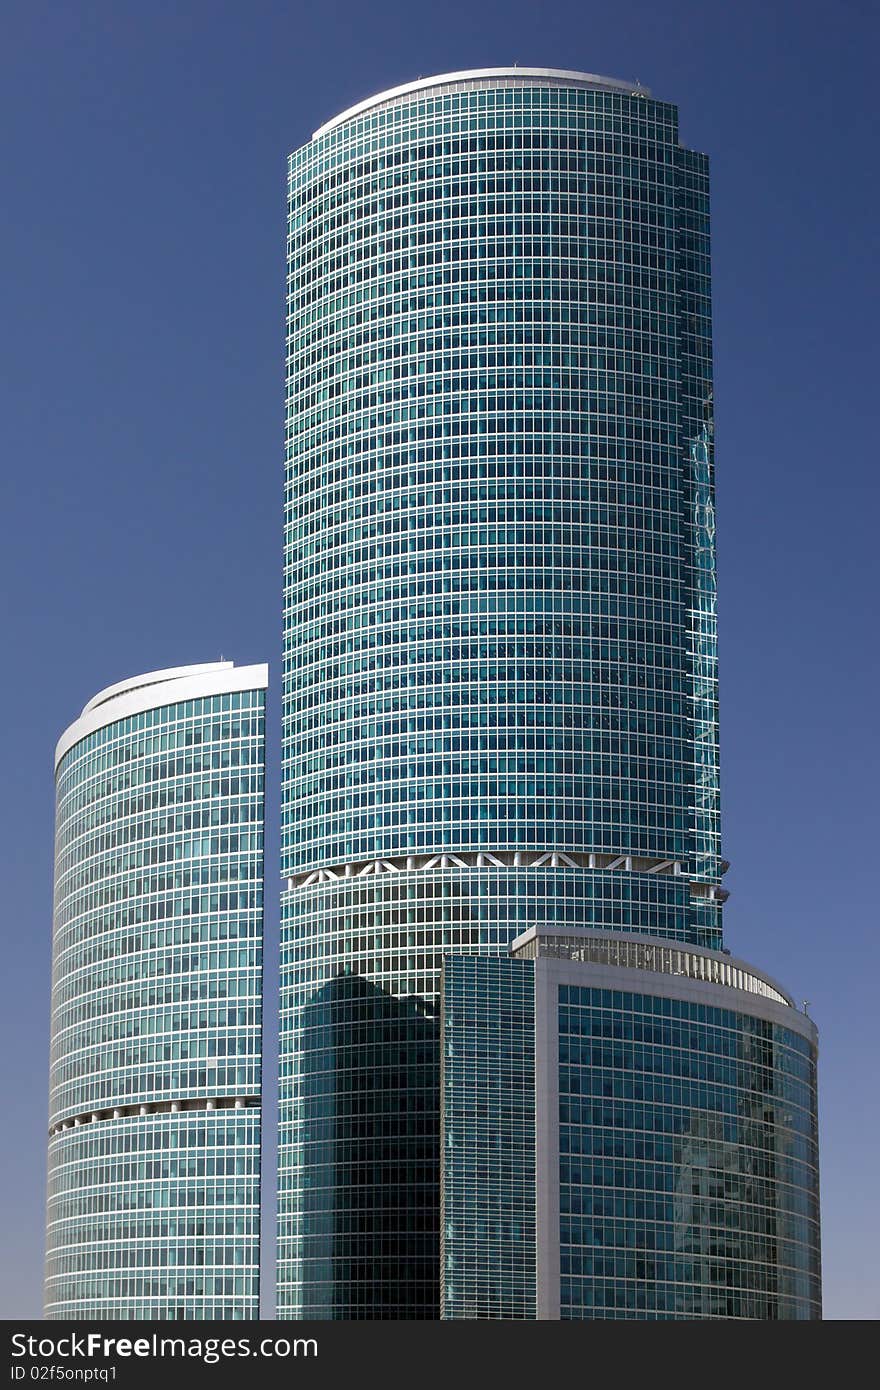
x,y
531,77
158,688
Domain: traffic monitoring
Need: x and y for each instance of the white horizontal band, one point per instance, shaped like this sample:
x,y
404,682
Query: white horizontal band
x,y
504,859
639,951
157,1107
158,688
529,77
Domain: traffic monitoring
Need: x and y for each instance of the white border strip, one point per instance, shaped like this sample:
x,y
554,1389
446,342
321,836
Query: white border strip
x,y
644,939
172,673
158,688
576,79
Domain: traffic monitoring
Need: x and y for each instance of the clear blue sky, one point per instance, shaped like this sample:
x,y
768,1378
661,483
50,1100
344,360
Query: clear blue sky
x,y
141,245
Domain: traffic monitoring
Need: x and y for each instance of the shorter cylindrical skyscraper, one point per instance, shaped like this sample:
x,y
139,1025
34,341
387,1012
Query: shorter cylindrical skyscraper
x,y
155,1074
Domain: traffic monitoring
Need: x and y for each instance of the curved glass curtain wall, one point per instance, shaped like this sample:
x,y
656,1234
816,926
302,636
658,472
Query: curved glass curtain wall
x,y
688,1161
499,600
677,1160
154,1149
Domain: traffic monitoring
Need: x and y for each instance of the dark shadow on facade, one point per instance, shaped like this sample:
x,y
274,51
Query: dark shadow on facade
x,y
370,1147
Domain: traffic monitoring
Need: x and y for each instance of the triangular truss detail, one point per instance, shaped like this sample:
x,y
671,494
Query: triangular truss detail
x,y
505,859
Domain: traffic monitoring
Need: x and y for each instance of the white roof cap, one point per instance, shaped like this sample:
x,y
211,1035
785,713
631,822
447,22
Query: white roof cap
x,y
157,688
530,77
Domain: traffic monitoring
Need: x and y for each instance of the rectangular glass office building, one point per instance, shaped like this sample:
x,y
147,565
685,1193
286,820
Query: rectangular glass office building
x,y
628,1130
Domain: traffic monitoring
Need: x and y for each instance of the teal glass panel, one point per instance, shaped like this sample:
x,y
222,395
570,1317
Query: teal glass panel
x,y
487,1139
155,1076
498,598
688,1180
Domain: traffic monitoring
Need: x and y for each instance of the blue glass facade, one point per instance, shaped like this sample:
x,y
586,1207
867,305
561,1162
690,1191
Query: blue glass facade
x,y
487,1150
499,681
155,1080
688,1183
619,1144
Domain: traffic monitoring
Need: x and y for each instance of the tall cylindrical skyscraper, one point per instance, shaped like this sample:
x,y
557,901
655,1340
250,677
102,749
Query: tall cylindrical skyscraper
x,y
156,1054
500,687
